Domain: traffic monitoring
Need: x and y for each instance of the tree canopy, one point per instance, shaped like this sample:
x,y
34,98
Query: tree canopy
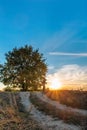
x,y
24,68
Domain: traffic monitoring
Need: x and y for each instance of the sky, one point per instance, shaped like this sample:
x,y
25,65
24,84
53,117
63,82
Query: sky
x,y
57,27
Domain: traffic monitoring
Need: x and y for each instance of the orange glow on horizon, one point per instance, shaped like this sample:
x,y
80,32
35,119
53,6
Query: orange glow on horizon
x,y
55,84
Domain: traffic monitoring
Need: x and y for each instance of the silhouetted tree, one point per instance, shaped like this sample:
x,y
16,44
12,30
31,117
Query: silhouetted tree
x,y
24,68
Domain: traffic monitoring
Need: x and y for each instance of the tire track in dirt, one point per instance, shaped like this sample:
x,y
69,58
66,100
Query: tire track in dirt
x,y
45,121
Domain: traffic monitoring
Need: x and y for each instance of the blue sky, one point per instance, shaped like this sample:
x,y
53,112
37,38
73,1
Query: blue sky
x,y
57,27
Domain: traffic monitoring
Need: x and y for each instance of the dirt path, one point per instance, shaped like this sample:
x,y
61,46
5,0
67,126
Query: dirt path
x,y
11,117
58,105
47,122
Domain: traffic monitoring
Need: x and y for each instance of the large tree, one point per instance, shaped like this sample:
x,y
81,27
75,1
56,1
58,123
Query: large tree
x,y
24,68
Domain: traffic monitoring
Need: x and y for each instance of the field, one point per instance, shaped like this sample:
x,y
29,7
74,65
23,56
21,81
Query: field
x,y
12,114
73,98
35,111
67,114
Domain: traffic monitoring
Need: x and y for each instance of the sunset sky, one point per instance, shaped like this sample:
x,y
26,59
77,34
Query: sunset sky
x,y
57,27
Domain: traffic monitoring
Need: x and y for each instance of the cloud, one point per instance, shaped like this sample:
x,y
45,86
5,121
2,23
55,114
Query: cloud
x,y
68,54
59,38
71,33
71,75
2,86
50,67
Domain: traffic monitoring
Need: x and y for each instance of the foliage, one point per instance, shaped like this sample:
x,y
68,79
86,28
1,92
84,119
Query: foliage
x,y
24,68
8,89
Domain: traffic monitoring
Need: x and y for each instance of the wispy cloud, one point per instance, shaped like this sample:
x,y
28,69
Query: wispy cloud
x,y
51,67
68,54
71,75
67,35
64,38
59,38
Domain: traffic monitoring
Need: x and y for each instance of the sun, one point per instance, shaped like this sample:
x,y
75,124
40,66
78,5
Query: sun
x,y
55,84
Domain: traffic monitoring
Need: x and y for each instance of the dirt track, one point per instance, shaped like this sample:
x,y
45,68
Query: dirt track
x,y
12,116
47,122
18,113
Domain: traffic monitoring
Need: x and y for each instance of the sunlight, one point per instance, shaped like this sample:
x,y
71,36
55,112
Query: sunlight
x,y
55,84
2,86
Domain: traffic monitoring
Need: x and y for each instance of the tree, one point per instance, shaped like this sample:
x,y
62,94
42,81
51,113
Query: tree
x,y
24,68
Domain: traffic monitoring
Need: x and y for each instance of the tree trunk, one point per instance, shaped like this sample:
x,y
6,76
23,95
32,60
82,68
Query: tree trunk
x,y
43,88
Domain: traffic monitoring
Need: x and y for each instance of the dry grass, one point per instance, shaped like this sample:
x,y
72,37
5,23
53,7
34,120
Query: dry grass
x,y
13,116
10,116
75,99
67,116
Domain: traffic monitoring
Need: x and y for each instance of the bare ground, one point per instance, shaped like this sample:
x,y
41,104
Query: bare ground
x,y
18,113
12,114
46,121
